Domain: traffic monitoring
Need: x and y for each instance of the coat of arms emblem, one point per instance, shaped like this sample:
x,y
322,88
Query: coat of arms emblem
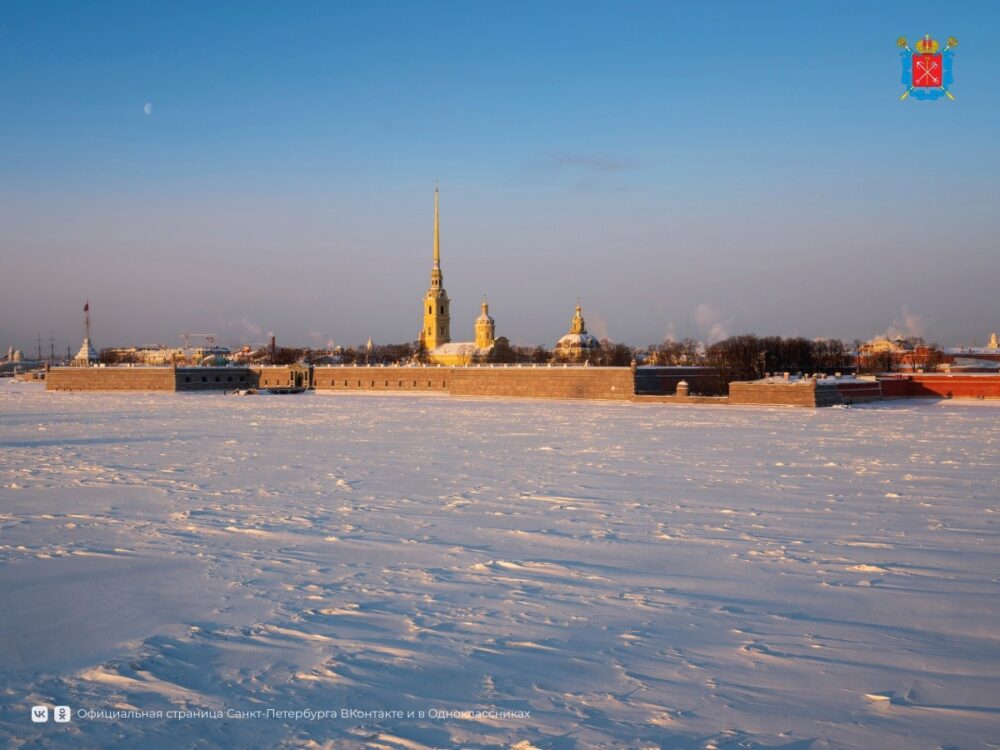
x,y
927,72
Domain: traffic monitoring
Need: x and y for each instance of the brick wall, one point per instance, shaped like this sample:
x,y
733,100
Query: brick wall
x,y
776,394
804,393
859,393
662,381
941,385
544,382
214,378
110,379
382,378
675,399
148,378
280,376
518,382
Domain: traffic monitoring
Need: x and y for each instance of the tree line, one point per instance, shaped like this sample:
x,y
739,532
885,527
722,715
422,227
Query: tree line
x,y
742,357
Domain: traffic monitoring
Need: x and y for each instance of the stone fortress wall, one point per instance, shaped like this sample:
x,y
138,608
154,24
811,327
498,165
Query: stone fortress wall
x,y
528,382
807,392
941,385
605,383
110,379
644,384
142,378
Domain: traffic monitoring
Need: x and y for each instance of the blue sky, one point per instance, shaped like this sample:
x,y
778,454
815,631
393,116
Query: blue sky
x,y
686,169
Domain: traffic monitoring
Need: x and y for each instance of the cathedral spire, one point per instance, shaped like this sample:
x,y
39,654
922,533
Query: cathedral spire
x,y
437,317
437,231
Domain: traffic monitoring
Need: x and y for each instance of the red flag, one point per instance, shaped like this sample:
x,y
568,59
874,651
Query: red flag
x,y
86,306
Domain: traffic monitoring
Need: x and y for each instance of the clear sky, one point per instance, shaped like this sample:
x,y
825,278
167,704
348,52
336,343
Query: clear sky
x,y
686,169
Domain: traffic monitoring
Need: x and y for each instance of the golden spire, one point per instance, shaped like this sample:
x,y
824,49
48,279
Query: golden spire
x,y
437,232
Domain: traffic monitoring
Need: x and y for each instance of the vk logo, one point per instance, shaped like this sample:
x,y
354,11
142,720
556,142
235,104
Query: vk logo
x,y
60,714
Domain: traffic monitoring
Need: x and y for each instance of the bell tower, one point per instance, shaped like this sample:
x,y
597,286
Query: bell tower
x,y
437,315
485,328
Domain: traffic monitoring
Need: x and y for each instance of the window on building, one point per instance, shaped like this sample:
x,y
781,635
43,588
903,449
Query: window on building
x,y
187,378
204,379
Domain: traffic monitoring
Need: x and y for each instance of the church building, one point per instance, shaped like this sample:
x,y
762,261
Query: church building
x,y
435,336
577,345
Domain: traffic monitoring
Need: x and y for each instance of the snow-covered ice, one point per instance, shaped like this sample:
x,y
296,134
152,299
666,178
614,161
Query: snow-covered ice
x,y
627,575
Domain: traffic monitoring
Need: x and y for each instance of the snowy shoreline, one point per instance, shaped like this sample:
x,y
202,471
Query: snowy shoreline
x,y
555,574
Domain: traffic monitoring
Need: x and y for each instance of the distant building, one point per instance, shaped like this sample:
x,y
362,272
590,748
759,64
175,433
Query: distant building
x,y
435,335
437,315
166,355
885,355
145,355
16,363
576,345
882,344
975,357
485,328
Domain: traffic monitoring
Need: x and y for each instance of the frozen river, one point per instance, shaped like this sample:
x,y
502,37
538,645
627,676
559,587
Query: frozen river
x,y
481,574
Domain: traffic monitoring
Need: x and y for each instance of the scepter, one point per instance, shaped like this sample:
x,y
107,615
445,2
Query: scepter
x,y
901,42
952,42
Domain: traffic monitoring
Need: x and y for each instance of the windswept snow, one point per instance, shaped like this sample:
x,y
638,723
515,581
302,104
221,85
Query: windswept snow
x,y
622,575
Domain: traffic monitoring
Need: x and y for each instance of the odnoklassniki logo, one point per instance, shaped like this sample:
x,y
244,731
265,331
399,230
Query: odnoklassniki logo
x,y
927,73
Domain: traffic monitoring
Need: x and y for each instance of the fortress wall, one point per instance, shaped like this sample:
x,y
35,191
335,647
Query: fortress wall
x,y
277,376
804,393
110,379
941,386
606,383
214,378
662,381
382,378
526,382
859,393
675,399
148,378
615,383
773,394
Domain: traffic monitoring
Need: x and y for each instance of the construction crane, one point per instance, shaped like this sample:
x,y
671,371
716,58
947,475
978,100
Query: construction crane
x,y
209,337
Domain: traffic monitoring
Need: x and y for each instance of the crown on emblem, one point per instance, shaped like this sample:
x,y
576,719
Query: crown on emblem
x,y
927,46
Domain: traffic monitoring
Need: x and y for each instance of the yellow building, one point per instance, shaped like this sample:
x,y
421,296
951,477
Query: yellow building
x,y
435,335
437,317
486,328
882,344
